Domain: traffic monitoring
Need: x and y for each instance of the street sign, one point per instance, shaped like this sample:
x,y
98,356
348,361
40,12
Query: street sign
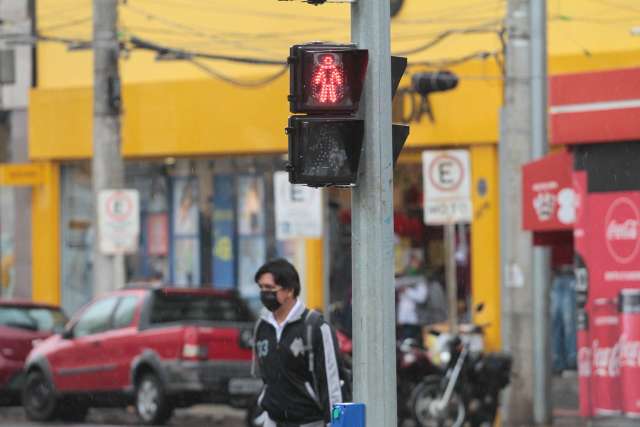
x,y
447,192
118,221
298,209
21,174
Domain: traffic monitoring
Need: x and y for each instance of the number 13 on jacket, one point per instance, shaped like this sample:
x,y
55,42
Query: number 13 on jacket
x,y
348,415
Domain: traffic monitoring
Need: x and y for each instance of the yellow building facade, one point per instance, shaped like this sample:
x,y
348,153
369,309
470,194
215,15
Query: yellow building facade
x,y
175,110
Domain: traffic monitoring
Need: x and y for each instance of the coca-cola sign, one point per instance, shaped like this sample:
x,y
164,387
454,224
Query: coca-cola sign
x,y
621,230
629,352
606,360
584,362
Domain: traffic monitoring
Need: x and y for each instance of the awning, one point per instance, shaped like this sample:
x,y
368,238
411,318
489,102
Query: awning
x,y
549,201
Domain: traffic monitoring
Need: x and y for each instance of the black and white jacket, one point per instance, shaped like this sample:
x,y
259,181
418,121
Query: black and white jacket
x,y
302,380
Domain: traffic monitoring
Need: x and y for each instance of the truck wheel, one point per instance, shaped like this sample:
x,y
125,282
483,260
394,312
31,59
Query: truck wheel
x,y
39,398
152,404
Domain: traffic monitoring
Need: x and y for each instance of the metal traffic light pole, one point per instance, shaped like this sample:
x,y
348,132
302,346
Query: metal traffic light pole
x,y
372,225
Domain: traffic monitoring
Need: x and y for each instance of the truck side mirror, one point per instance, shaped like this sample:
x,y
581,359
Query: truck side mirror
x,y
67,334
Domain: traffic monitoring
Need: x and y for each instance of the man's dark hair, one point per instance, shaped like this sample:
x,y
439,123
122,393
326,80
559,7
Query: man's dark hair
x,y
284,274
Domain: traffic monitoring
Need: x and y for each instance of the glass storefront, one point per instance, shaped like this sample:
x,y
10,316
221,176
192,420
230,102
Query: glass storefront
x,y
415,243
202,224
7,242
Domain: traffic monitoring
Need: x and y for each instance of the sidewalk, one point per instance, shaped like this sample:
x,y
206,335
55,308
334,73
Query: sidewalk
x,y
565,410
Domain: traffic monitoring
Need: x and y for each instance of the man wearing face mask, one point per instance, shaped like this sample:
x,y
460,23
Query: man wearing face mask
x,y
297,353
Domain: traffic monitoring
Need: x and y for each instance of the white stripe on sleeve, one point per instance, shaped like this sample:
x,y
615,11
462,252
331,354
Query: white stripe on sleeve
x,y
331,367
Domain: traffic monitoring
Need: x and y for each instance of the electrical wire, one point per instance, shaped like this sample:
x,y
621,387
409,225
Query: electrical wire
x,y
67,24
217,10
449,13
446,34
449,62
235,82
192,30
170,53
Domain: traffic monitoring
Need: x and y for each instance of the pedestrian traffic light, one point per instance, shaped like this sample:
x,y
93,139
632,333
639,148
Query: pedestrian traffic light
x,y
326,78
326,82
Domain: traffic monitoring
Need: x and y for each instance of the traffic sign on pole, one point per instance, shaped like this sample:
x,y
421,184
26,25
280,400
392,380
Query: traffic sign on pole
x,y
447,186
118,221
298,209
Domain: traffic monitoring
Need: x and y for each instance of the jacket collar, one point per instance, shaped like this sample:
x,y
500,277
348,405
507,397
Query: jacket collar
x,y
294,315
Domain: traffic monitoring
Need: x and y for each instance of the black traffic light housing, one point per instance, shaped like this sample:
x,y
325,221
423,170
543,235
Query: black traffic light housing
x,y
326,83
429,82
436,81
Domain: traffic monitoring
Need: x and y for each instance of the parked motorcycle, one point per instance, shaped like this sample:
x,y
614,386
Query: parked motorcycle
x,y
468,393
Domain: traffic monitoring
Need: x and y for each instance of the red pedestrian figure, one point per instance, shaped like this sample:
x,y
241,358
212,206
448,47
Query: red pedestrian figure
x,y
327,81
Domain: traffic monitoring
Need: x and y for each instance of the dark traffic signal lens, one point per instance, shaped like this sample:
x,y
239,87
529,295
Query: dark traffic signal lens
x,y
324,150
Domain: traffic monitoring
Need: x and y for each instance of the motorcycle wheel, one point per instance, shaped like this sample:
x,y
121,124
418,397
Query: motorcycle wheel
x,y
425,395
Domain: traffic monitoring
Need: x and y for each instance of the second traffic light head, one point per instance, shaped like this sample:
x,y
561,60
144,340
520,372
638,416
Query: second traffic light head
x,y
326,78
437,81
324,150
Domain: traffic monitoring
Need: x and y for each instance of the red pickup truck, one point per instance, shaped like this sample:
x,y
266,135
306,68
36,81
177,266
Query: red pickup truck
x,y
157,349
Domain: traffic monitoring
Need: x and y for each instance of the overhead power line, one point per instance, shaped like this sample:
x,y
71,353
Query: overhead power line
x,y
486,28
165,52
236,82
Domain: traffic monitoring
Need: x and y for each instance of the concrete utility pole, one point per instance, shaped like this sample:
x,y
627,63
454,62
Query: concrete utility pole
x,y
372,225
107,165
540,263
524,269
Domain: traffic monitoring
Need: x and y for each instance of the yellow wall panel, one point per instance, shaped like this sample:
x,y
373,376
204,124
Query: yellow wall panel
x,y
60,123
314,269
45,231
485,249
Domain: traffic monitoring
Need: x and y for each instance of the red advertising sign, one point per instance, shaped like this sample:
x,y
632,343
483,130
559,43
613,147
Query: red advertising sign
x,y
597,106
614,242
548,195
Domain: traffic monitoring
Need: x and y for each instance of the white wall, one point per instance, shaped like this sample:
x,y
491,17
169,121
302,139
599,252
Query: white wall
x,y
16,15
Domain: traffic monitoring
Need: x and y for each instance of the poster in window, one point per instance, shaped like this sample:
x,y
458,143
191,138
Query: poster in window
x,y
250,205
186,262
158,234
224,274
185,206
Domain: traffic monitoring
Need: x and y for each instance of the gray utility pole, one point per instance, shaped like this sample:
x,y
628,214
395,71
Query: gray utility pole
x,y
540,264
372,225
523,136
107,165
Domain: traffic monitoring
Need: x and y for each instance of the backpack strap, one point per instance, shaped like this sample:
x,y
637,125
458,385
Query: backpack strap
x,y
311,320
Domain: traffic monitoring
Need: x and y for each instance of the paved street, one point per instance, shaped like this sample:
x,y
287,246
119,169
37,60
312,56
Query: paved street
x,y
198,416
